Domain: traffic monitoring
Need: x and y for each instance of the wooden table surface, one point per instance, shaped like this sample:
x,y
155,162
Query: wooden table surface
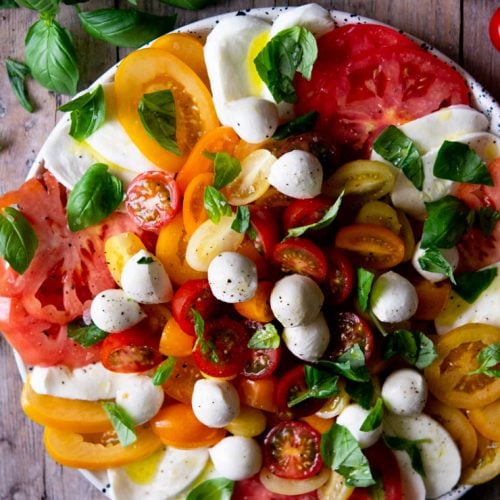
x,y
456,27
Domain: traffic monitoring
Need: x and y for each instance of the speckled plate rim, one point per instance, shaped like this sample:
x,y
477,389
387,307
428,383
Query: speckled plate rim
x,y
481,99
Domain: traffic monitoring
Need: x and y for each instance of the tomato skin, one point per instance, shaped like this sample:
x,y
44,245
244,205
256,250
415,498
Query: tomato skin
x,y
339,278
132,350
253,489
264,222
305,212
494,29
260,394
156,187
258,308
261,363
180,384
292,450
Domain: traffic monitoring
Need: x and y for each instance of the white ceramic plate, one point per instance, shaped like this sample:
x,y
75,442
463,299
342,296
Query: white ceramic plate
x,y
481,99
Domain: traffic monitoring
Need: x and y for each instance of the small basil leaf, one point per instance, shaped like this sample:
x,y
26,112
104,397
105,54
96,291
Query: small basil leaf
x,y
266,337
486,218
361,392
350,365
207,347
18,241
341,452
157,114
297,126
17,73
95,196
189,4
456,161
218,488
125,28
374,418
226,168
471,285
414,347
49,7
365,282
51,57
411,447
8,4
291,50
447,221
320,384
215,204
487,358
395,147
433,261
122,423
242,221
85,335
164,370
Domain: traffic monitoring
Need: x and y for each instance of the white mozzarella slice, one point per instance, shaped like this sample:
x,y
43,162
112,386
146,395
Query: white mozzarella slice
x,y
352,417
450,254
404,392
312,16
412,484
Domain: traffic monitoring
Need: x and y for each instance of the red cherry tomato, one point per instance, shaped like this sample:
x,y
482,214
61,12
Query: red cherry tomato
x,y
339,278
261,363
253,489
223,350
153,199
495,29
267,233
194,294
292,450
301,256
133,350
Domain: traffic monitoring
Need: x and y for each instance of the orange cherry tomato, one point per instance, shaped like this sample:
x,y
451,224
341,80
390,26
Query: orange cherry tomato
x,y
258,307
180,384
248,249
193,207
376,247
432,298
322,425
152,70
176,425
259,393
174,341
220,139
486,420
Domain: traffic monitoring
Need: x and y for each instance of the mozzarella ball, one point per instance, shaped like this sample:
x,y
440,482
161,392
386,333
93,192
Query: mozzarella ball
x,y
215,402
254,119
297,174
145,280
353,417
450,254
393,298
236,457
232,277
112,311
405,392
296,300
312,16
308,342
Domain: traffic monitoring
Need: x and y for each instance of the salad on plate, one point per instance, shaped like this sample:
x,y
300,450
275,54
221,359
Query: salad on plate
x,y
260,261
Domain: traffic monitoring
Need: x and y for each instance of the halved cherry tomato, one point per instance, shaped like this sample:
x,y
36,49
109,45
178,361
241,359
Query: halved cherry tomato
x,y
339,277
133,350
194,294
250,422
292,450
180,384
222,352
249,249
486,420
261,363
253,489
175,341
260,394
322,425
177,426
264,221
193,207
494,29
118,249
376,247
304,212
432,298
301,256
258,308
153,199
380,213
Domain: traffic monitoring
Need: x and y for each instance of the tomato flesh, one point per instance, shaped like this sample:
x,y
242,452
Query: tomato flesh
x,y
261,363
339,278
494,29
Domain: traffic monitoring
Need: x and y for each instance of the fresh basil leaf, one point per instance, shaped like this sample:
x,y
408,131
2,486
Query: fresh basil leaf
x,y
218,488
125,28
472,284
361,392
411,447
226,168
122,423
351,365
486,218
17,73
378,324
433,260
241,222
206,346
365,282
487,358
51,57
87,113
85,335
18,241
157,114
95,196
215,204
325,221
457,161
414,347
447,221
341,452
320,384
291,50
297,126
266,337
199,323
8,4
395,147
374,418
49,7
164,370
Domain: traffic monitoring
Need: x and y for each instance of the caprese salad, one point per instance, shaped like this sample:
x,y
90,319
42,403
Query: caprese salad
x,y
264,266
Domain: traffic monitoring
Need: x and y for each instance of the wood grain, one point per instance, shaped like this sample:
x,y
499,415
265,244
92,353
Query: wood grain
x,y
456,27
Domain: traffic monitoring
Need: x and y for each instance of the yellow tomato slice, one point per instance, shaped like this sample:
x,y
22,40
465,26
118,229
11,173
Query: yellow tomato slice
x,y
486,464
378,212
151,70
95,452
486,420
118,249
282,486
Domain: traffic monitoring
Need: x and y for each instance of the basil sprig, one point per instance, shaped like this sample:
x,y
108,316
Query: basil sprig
x,y
457,161
350,364
291,50
157,113
216,204
486,218
266,337
413,346
411,447
18,241
49,7
125,28
218,488
472,284
364,287
433,260
122,423
95,196
299,125
241,223
163,371
341,452
17,73
320,384
488,358
87,113
226,168
374,418
206,346
395,147
85,335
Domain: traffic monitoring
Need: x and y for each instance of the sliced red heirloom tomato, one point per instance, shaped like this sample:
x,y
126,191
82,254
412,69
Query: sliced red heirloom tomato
x,y
339,276
253,489
302,256
133,350
180,384
261,363
292,450
264,221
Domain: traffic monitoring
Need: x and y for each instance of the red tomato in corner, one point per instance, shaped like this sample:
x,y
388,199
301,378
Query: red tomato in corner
x,y
494,29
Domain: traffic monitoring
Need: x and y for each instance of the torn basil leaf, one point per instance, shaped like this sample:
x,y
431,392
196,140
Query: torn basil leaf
x,y
433,261
266,337
411,447
488,358
320,384
218,488
486,218
361,392
122,423
350,364
17,73
374,418
226,168
163,371
365,282
216,204
242,221
413,346
85,335
472,284
299,125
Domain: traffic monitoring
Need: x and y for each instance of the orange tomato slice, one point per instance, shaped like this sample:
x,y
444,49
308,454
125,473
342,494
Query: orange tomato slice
x,y
151,70
258,307
486,420
193,207
174,341
180,384
260,394
432,298
486,464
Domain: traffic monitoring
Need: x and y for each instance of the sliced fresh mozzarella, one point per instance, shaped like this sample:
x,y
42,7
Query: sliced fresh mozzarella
x,y
296,300
412,484
440,456
404,392
312,16
352,417
308,342
450,254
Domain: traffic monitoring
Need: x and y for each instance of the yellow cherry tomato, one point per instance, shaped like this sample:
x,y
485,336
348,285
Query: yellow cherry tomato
x,y
378,212
250,422
118,249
